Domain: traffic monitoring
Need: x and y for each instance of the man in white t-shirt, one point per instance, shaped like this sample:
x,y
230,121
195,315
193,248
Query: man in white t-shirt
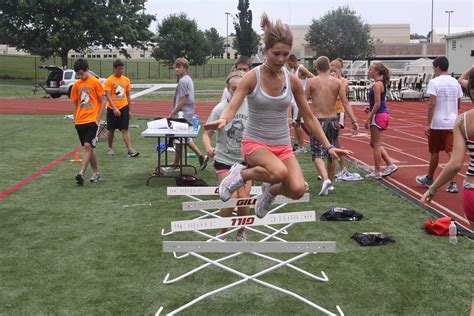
x,y
445,99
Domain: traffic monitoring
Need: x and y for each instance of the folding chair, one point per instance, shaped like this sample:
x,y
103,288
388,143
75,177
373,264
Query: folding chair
x,y
256,248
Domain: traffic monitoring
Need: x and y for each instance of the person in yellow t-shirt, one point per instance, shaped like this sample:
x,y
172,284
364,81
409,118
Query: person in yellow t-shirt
x,y
117,92
335,68
88,96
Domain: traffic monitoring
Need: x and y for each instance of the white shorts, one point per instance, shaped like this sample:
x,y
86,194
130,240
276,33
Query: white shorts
x,y
178,141
294,110
342,118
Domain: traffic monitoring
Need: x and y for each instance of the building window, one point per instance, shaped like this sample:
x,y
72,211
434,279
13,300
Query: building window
x,y
472,53
453,45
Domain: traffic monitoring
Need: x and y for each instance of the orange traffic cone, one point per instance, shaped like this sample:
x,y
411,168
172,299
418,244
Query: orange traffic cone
x,y
76,157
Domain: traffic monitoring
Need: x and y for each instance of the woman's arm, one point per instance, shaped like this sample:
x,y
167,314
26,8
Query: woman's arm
x,y
347,106
463,80
245,87
207,142
377,92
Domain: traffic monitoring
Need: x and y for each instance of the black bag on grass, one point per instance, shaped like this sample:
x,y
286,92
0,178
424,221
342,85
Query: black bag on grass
x,y
341,214
372,239
190,181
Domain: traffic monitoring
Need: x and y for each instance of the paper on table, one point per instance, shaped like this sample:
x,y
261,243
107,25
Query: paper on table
x,y
178,126
161,123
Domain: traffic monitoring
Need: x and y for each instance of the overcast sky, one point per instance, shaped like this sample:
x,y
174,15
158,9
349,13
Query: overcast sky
x,y
417,13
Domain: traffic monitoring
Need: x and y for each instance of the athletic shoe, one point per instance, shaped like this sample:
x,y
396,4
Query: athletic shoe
x,y
203,162
374,175
223,238
342,173
389,170
80,179
133,153
169,169
424,180
264,201
241,237
349,176
299,150
452,187
95,177
325,187
231,183
110,152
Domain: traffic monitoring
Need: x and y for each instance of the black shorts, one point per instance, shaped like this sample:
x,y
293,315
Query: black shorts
x,y
118,122
87,133
219,166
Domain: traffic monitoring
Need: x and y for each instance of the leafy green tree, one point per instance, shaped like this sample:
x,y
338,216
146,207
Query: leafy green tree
x,y
417,36
246,40
215,40
341,33
179,36
54,27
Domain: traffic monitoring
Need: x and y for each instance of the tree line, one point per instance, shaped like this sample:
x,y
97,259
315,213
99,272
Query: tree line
x,y
54,28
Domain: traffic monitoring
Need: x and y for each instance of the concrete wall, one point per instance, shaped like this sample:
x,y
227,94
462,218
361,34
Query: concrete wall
x,y
420,49
460,51
390,33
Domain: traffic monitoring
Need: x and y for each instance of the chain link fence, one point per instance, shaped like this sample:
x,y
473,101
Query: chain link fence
x,y
27,67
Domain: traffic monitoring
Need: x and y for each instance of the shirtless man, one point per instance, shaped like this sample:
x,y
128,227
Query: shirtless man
x,y
324,90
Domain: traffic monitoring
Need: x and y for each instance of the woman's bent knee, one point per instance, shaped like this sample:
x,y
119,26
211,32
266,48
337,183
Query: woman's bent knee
x,y
297,191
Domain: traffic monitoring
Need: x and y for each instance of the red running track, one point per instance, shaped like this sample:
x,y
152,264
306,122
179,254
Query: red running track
x,y
404,140
407,144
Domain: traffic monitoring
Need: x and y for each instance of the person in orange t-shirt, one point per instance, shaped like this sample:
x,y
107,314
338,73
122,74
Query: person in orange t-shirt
x,y
117,92
89,100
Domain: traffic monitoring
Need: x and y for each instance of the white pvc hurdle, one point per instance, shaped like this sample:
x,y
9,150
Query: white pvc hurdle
x,y
256,248
204,206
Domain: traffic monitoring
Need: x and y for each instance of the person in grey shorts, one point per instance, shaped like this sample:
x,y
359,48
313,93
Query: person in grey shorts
x,y
183,101
330,126
324,90
227,151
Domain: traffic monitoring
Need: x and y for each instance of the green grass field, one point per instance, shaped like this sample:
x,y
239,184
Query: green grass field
x,y
75,250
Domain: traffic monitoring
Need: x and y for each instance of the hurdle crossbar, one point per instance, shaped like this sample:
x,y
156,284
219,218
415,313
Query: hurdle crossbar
x,y
250,246
242,202
240,221
212,190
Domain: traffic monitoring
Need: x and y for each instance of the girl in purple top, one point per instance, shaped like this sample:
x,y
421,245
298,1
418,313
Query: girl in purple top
x,y
378,119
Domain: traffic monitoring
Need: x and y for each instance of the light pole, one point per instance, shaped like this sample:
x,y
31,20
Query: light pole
x,y
449,20
432,8
227,36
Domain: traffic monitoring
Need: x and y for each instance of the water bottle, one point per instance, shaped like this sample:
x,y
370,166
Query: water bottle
x,y
453,233
195,122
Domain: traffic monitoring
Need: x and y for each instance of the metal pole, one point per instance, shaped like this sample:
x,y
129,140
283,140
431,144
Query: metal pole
x,y
449,20
227,36
432,5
